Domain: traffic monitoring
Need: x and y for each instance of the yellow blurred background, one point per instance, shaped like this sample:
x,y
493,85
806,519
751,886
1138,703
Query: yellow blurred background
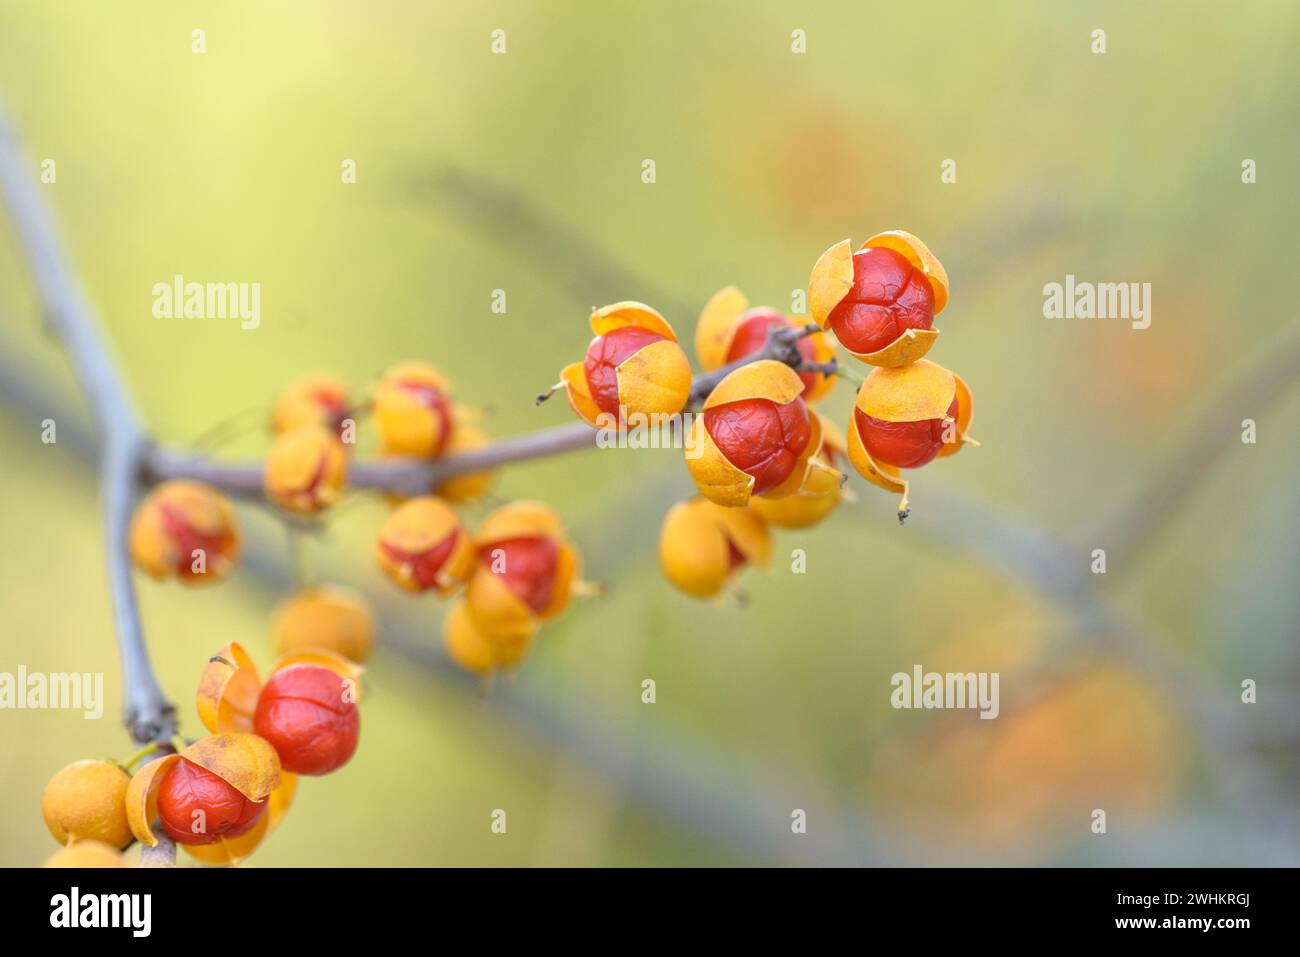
x,y
522,171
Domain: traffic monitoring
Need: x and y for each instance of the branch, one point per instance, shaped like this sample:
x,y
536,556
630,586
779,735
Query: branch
x,y
416,476
148,715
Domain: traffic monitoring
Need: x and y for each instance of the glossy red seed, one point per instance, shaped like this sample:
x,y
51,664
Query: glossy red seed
x,y
906,445
735,557
760,438
527,566
751,336
888,297
187,789
306,713
603,358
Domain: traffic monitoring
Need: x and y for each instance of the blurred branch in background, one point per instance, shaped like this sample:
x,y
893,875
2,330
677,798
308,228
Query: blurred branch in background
x,y
1054,568
149,715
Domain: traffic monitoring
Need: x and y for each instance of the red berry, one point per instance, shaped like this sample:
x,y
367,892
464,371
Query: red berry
x,y
905,445
760,438
186,789
735,557
426,565
889,296
603,358
527,566
310,720
751,336
431,398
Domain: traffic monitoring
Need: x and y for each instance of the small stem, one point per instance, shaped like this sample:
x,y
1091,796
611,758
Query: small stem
x,y
143,752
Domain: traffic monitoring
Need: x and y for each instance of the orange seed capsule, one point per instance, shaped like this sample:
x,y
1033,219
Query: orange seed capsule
x,y
86,801
328,617
185,530
315,399
702,545
305,470
423,546
413,410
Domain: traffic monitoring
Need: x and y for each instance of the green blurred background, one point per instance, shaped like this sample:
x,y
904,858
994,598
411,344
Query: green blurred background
x,y
523,172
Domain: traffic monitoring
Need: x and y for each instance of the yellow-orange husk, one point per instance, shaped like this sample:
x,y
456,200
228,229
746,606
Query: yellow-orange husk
x,y
86,853
415,527
716,327
199,506
293,464
84,801
142,797
300,402
244,761
693,542
965,412
476,650
331,617
655,380
228,691
877,473
404,424
821,491
912,393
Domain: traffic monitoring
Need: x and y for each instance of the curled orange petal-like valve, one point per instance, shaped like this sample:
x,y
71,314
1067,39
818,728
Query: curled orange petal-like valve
x,y
244,761
716,327
228,690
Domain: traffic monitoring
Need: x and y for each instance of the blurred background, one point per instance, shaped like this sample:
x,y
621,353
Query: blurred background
x,y
522,171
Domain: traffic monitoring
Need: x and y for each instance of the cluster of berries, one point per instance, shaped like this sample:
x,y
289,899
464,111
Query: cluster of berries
x,y
517,571
759,453
218,797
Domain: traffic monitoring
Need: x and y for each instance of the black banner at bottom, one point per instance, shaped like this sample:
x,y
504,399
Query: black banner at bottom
x,y
333,906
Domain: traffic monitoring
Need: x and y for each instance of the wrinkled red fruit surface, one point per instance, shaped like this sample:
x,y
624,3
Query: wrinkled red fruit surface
x,y
603,358
760,438
906,445
304,713
888,297
527,566
186,789
751,336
